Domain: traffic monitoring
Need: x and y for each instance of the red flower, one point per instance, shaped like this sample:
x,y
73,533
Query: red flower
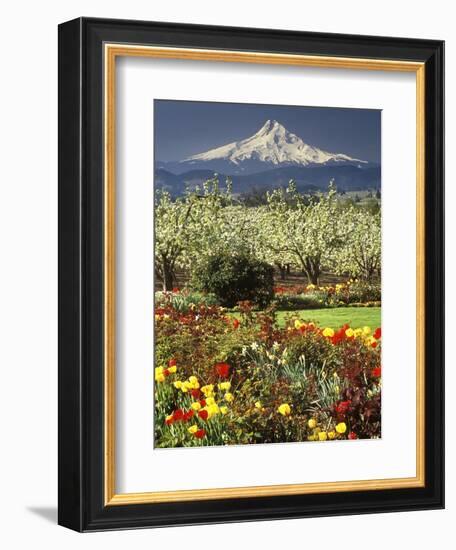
x,y
338,336
169,421
222,369
188,415
203,415
377,372
236,323
178,414
200,433
374,344
166,373
195,393
378,333
203,402
352,435
175,290
343,407
172,363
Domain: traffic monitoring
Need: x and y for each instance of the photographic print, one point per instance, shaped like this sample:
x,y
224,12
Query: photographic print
x,y
267,274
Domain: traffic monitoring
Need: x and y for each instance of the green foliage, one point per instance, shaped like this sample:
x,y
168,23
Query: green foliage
x,y
233,279
291,302
184,300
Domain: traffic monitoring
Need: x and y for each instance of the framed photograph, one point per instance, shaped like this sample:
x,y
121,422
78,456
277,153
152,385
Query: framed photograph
x,y
251,303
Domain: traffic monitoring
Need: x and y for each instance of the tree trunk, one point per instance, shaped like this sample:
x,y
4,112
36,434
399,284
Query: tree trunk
x,y
312,269
313,277
283,271
168,277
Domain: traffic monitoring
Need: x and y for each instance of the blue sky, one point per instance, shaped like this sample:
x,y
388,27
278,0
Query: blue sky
x,y
184,128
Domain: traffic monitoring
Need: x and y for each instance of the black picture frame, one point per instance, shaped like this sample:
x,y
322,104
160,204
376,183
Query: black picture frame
x,y
81,403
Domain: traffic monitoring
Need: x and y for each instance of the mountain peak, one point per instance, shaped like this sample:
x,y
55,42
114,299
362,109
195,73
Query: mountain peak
x,y
270,125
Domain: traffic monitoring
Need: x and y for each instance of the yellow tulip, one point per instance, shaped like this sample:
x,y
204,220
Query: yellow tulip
x,y
228,397
328,332
284,409
312,423
322,436
341,428
193,429
196,406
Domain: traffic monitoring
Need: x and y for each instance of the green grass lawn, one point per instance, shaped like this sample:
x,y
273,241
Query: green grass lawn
x,y
334,317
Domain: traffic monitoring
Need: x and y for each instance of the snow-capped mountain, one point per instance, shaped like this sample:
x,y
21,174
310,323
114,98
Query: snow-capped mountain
x,y
273,144
268,159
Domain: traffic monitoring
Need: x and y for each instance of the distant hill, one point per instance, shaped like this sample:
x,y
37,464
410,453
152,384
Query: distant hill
x,y
347,178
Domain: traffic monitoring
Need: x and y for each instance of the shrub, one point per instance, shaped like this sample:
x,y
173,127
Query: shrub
x,y
233,279
290,302
363,291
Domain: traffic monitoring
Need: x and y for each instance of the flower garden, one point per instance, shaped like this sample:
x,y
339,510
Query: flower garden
x,y
224,380
267,324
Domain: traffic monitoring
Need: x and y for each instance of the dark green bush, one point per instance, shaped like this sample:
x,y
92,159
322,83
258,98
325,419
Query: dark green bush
x,y
291,302
233,279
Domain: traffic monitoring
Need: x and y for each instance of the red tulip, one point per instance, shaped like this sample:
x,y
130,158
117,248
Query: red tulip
x,y
343,407
203,415
222,369
352,435
195,393
200,433
178,414
377,372
378,333
188,415
172,363
236,323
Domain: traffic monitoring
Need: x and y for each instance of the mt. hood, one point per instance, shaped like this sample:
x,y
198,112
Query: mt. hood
x,y
271,147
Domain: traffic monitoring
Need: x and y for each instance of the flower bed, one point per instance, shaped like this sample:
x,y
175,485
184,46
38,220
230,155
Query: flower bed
x,y
222,381
352,292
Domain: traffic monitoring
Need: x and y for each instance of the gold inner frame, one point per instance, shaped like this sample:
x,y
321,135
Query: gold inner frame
x,y
111,52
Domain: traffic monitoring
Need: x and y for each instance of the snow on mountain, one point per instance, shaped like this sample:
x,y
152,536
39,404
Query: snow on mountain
x,y
275,145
